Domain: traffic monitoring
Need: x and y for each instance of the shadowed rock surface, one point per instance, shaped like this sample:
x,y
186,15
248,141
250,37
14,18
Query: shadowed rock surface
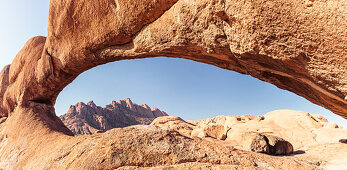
x,y
264,143
296,45
89,118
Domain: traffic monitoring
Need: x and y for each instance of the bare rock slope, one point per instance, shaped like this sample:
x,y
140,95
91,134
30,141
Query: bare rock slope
x,y
89,118
301,129
298,135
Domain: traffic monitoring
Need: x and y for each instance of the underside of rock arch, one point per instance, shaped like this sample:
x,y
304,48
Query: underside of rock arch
x,y
296,45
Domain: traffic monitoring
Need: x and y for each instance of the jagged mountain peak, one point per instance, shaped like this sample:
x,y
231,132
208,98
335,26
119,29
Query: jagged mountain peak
x,y
88,118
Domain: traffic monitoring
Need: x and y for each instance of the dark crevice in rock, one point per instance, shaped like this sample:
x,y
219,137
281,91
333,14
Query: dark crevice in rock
x,y
3,119
51,62
42,101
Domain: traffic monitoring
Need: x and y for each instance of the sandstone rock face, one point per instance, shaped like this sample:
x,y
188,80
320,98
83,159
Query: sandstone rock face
x,y
89,118
292,44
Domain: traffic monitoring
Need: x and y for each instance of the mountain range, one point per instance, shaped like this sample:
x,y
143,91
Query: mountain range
x,y
89,118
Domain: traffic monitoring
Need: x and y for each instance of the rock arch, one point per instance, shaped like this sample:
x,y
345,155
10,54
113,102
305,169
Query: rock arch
x,y
296,45
295,49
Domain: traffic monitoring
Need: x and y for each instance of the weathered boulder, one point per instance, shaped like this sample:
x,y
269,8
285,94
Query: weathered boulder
x,y
198,132
174,123
279,146
227,121
300,128
215,131
264,143
216,127
255,142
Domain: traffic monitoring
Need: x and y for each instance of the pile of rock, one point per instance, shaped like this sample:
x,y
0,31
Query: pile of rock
x,y
272,133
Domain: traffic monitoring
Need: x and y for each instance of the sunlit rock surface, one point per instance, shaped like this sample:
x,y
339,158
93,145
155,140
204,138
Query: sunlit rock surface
x,y
296,45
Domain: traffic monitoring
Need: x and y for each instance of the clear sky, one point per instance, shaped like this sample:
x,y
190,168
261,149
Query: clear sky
x,y
180,87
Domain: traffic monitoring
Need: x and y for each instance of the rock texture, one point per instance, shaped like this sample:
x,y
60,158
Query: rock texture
x,y
89,118
174,123
299,128
135,147
255,142
273,134
263,143
4,77
287,43
296,45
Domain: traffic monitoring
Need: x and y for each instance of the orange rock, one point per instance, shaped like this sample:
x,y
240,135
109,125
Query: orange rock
x,y
4,77
284,42
264,143
174,123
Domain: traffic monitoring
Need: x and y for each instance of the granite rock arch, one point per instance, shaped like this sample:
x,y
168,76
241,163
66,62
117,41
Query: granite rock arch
x,y
296,45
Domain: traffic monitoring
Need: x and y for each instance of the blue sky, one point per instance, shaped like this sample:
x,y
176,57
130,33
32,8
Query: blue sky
x,y
180,87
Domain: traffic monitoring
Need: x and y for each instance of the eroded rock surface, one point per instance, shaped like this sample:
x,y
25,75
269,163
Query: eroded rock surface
x,y
299,128
287,43
174,123
263,143
4,82
136,147
255,142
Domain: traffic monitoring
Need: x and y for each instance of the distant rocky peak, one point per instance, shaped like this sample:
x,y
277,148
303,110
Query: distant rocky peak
x,y
72,108
113,103
130,105
128,100
146,107
157,113
91,104
80,105
88,118
154,109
